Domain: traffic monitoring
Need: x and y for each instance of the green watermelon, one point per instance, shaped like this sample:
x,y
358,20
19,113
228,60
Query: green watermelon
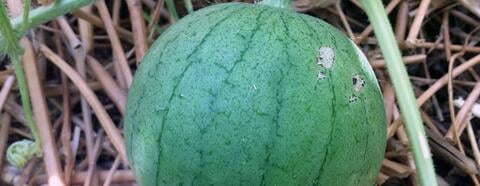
x,y
244,94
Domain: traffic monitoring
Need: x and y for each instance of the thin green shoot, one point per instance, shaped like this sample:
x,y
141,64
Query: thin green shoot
x,y
13,50
188,5
147,17
171,8
403,90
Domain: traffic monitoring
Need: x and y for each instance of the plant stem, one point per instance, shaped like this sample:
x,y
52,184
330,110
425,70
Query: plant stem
x,y
403,90
46,13
188,5
27,108
26,12
13,52
171,9
148,18
8,36
277,3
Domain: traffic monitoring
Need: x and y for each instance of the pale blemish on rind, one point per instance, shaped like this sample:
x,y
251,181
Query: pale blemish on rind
x,y
326,57
358,82
321,75
352,98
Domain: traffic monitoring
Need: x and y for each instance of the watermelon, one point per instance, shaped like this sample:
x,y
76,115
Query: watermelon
x,y
249,94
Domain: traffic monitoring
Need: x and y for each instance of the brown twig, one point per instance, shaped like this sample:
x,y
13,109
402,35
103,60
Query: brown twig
x,y
26,174
338,6
428,121
114,92
401,22
91,177
24,133
120,176
425,81
388,101
113,169
413,59
66,131
465,18
116,45
446,34
117,5
450,102
381,178
7,86
349,19
15,110
449,153
417,22
96,21
86,30
57,90
138,27
394,169
4,128
41,115
369,28
155,17
453,48
473,143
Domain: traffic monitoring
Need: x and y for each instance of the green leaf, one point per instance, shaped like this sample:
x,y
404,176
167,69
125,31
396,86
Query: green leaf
x,y
20,152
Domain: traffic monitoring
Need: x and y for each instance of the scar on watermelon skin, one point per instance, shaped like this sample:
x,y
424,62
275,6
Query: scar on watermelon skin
x,y
321,75
326,57
358,82
352,98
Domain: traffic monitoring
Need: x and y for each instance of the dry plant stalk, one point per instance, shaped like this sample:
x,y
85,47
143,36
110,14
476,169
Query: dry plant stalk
x,y
105,120
304,5
40,110
139,30
116,44
5,91
96,21
4,130
114,92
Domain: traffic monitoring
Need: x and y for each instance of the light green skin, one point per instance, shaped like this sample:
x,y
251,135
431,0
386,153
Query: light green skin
x,y
229,95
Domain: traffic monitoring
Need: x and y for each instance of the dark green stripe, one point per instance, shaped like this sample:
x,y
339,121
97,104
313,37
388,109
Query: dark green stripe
x,y
174,91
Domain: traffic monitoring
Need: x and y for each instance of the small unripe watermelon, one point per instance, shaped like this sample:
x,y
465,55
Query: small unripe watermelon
x,y
243,94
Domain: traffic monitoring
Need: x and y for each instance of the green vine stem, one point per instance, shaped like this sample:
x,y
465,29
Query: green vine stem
x,y
403,90
147,18
8,36
19,152
26,12
171,8
188,5
47,13
277,3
